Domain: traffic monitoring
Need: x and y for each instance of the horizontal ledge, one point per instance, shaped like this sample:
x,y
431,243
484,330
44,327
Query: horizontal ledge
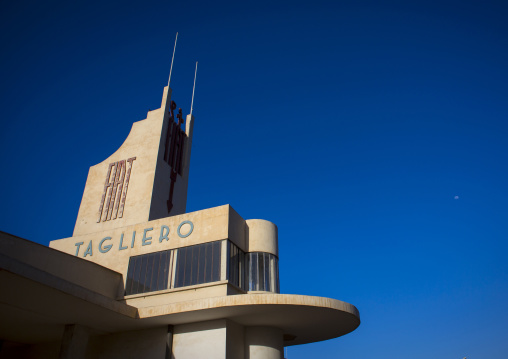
x,y
305,318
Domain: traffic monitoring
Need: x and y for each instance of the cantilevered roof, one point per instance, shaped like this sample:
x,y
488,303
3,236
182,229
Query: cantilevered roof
x,y
304,319
39,296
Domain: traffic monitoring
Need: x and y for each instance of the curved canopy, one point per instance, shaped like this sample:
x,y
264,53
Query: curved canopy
x,y
303,319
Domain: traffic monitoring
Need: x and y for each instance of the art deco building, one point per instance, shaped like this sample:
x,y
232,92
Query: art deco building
x,y
141,278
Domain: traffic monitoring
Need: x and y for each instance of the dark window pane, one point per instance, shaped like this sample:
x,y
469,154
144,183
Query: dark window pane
x,y
250,274
163,270
149,271
180,267
195,264
208,262
235,265
169,268
262,272
202,264
142,274
130,275
156,270
137,271
188,267
229,264
198,264
271,274
242,270
254,272
238,267
216,255
182,253
267,271
277,283
229,256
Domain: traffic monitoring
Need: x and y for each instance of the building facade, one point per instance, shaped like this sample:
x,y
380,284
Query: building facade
x,y
141,278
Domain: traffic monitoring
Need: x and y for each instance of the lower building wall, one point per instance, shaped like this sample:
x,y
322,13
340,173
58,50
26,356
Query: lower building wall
x,y
200,340
235,343
142,344
30,351
215,339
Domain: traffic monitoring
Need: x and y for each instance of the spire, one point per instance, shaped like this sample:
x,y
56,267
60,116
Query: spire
x,y
147,177
172,59
193,88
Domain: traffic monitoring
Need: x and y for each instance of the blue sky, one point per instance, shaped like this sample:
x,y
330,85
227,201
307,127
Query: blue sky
x,y
373,133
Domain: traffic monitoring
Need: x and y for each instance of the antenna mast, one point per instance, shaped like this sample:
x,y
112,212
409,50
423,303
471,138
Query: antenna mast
x,y
193,88
172,59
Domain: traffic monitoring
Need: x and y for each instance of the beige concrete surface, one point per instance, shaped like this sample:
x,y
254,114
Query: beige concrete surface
x,y
262,236
149,184
263,343
200,340
237,230
307,319
182,294
208,225
18,254
213,224
160,194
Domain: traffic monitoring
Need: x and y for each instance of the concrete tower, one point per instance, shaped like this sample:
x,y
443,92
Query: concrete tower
x,y
145,179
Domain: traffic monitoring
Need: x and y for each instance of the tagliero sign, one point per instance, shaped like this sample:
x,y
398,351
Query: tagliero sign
x,y
105,245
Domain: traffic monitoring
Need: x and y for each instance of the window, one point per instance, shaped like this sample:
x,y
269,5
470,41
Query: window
x,y
181,267
263,272
158,271
236,266
148,273
198,264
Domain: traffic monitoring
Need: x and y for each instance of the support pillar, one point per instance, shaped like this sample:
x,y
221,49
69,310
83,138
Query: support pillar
x,y
169,342
264,343
74,342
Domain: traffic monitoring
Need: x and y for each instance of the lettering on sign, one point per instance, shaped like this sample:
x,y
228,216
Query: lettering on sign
x,y
148,236
115,190
173,152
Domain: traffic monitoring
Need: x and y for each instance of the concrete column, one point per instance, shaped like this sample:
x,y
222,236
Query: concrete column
x,y
262,236
74,342
263,343
169,342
